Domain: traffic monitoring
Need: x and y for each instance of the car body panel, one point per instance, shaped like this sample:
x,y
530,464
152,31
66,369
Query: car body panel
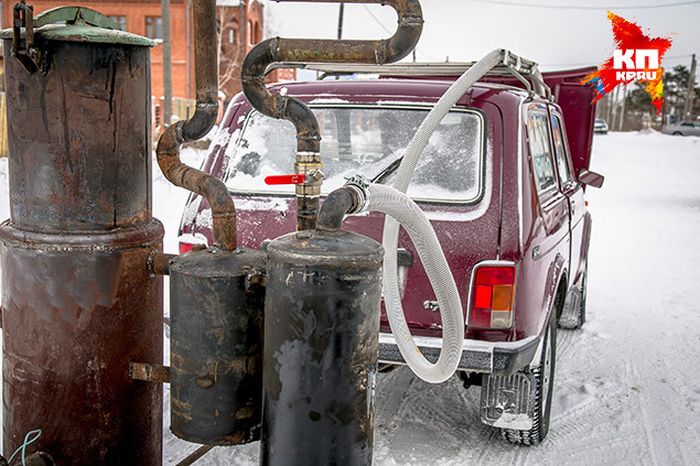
x,y
683,128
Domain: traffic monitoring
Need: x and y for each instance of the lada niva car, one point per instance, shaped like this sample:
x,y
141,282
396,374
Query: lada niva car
x,y
502,182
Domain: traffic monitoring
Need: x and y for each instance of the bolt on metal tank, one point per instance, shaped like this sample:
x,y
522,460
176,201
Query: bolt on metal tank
x,y
322,311
78,301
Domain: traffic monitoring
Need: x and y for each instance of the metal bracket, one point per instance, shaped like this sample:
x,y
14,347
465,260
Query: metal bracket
x,y
149,372
27,54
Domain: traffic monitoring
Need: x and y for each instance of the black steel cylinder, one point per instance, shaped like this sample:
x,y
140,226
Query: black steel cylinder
x,y
321,349
216,324
78,301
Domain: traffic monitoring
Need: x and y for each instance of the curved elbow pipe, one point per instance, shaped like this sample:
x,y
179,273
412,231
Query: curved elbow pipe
x,y
308,160
337,205
201,122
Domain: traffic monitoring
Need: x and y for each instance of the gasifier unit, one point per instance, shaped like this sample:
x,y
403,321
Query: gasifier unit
x,y
280,346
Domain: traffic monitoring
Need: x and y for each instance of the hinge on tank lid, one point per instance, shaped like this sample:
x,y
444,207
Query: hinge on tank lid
x,y
23,48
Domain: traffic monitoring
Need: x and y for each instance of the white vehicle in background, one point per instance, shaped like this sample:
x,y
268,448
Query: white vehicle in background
x,y
683,128
600,126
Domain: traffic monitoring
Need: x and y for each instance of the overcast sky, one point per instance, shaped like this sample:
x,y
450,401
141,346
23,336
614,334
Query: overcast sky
x,y
467,29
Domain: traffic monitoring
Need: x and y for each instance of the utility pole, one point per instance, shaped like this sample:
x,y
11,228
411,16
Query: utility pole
x,y
690,92
615,108
167,64
621,119
243,43
341,14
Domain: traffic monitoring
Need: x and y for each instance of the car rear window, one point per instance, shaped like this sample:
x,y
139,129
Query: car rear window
x,y
369,141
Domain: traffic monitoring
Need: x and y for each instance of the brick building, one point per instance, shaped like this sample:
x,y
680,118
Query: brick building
x,y
241,26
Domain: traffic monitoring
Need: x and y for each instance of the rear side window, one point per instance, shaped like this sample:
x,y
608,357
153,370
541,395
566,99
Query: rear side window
x,y
560,151
541,152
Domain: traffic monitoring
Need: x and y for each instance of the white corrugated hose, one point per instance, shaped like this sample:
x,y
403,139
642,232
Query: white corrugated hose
x,y
400,209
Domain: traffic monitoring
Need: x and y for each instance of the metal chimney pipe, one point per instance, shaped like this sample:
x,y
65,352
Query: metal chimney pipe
x,y
308,158
201,122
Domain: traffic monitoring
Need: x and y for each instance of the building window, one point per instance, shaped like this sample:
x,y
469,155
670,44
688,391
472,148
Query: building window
x,y
232,35
258,33
120,20
154,27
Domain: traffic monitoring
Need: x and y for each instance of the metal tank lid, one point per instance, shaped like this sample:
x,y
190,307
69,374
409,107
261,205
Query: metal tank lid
x,y
78,24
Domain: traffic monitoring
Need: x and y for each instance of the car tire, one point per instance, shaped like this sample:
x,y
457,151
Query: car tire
x,y
677,133
543,375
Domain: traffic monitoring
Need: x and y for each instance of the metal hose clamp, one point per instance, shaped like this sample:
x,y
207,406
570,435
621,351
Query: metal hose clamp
x,y
360,186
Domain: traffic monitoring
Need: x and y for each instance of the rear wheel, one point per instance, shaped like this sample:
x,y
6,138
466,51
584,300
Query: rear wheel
x,y
677,133
543,376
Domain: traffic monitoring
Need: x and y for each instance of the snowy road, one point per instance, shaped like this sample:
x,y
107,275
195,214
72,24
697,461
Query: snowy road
x,y
627,386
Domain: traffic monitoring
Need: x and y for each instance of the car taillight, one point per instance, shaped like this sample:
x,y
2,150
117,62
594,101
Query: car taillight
x,y
492,297
185,247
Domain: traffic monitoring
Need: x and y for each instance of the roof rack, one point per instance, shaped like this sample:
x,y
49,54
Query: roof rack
x,y
524,70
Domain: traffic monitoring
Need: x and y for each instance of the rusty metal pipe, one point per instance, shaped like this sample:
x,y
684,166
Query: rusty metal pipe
x,y
159,263
308,159
201,122
338,204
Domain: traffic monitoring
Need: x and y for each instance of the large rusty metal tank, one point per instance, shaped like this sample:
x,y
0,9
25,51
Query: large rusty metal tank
x,y
78,301
321,347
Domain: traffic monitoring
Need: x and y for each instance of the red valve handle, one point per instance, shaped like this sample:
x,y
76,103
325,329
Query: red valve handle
x,y
298,178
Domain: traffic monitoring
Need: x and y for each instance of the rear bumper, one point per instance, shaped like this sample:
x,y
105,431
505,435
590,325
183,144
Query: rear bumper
x,y
496,358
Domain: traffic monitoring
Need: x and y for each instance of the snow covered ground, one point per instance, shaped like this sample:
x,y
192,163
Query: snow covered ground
x,y
627,388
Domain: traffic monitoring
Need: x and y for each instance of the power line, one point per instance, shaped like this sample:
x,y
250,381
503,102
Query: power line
x,y
590,7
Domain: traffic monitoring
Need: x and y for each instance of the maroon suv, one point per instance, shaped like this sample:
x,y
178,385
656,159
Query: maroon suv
x,y
502,181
